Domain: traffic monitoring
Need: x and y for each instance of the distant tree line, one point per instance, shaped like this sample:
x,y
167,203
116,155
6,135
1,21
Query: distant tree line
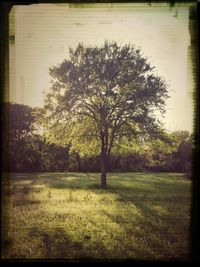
x,y
26,150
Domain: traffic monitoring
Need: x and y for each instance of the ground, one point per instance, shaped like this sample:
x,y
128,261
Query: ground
x,y
68,216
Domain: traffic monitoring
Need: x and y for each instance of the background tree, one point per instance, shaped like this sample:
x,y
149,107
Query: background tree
x,y
28,152
25,149
19,154
101,94
182,154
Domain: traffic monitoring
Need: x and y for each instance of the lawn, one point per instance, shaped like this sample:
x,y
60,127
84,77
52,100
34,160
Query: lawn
x,y
67,216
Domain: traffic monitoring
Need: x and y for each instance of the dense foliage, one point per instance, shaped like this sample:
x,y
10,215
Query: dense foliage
x,y
25,148
27,151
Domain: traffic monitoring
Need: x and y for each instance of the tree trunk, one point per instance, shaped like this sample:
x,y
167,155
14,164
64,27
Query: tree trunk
x,y
103,171
104,150
78,160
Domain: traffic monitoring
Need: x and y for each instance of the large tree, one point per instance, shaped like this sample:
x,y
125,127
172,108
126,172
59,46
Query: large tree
x,y
99,95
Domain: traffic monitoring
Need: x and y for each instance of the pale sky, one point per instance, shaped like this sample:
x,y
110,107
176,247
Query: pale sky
x,y
44,33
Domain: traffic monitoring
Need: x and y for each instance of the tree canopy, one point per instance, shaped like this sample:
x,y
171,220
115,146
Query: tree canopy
x,y
27,151
99,95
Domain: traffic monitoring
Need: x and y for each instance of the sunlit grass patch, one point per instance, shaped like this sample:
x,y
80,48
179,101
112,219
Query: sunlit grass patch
x,y
67,215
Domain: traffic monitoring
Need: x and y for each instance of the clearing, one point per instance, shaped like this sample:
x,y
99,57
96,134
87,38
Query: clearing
x,y
67,216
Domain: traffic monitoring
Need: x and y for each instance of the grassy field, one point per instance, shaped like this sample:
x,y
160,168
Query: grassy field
x,y
66,215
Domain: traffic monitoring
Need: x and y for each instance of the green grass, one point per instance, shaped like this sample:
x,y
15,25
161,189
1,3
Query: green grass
x,y
67,215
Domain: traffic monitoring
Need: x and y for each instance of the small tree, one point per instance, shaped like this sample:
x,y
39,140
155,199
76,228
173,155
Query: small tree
x,y
100,95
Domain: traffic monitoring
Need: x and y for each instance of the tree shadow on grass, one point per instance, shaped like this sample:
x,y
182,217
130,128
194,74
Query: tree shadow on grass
x,y
116,181
157,236
57,244
113,180
22,195
132,189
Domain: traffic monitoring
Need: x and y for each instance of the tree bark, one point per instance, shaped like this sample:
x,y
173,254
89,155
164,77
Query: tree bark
x,y
103,160
103,171
104,148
